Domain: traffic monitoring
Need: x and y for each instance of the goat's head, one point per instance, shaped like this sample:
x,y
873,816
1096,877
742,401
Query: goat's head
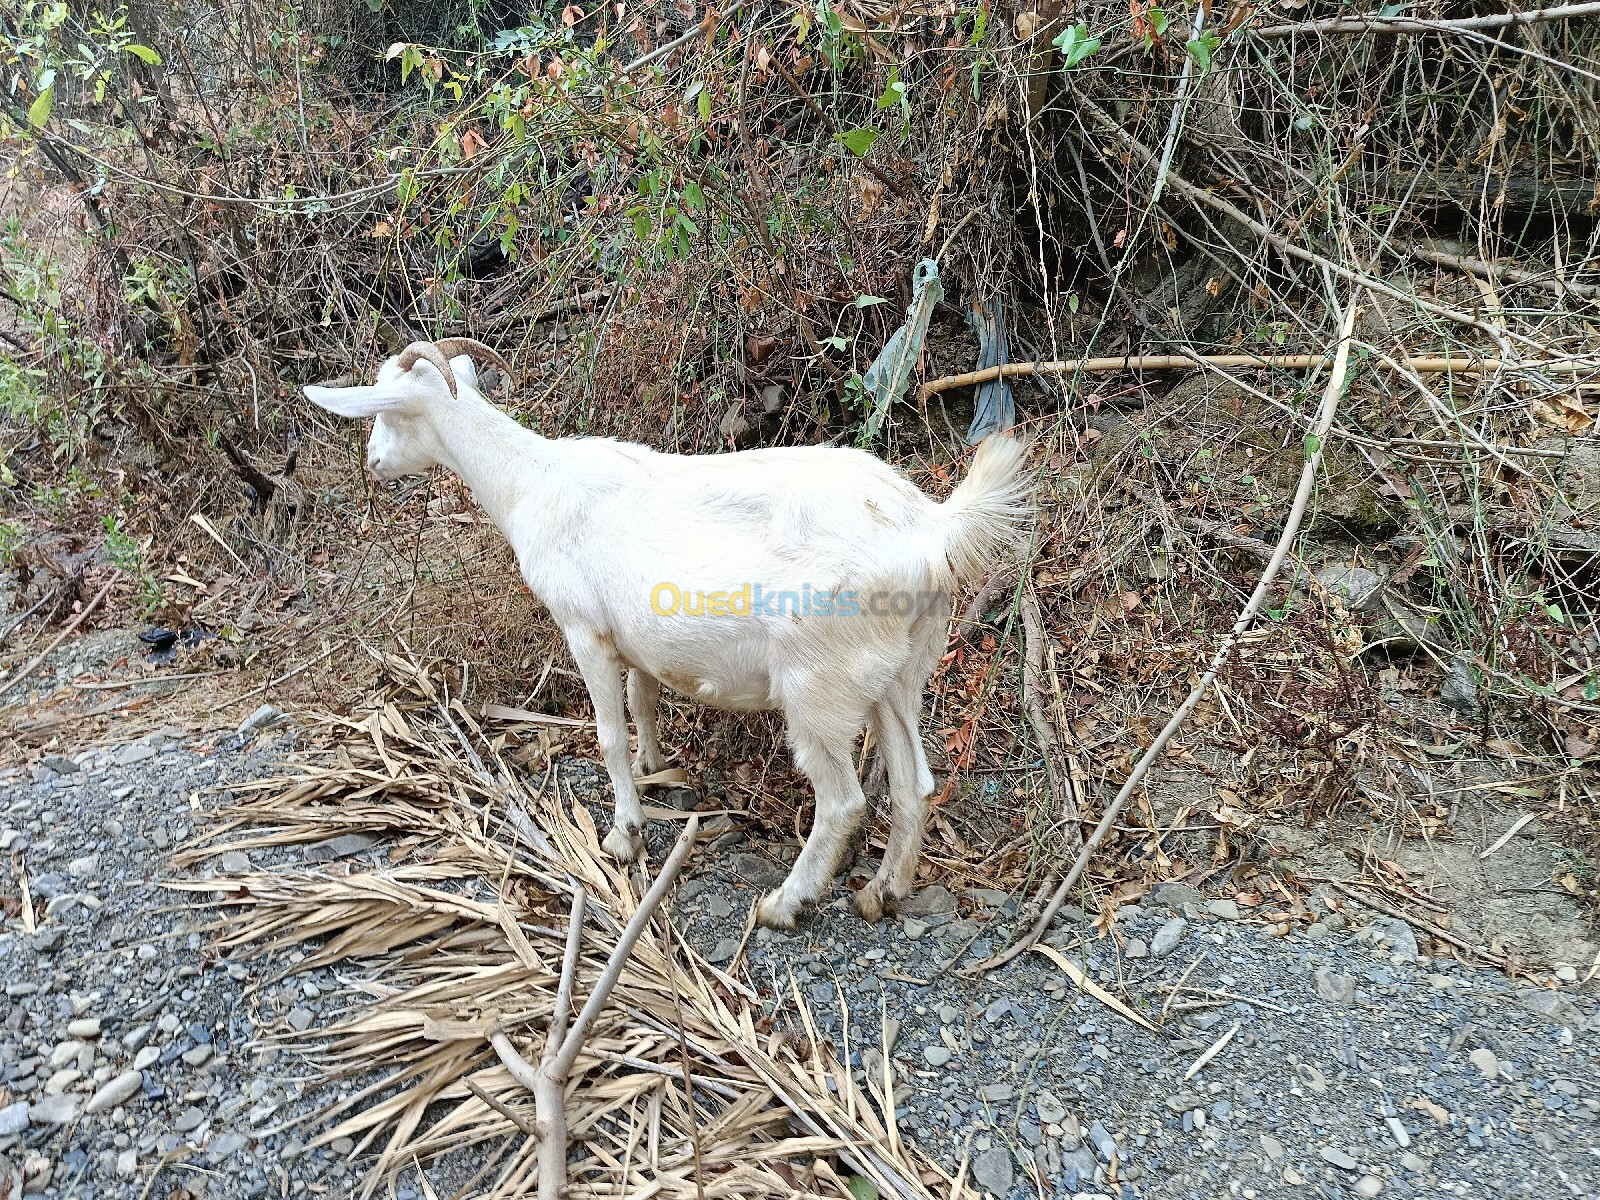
x,y
414,390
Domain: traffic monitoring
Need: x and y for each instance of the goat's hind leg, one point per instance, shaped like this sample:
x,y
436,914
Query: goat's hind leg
x,y
822,750
894,718
644,694
602,674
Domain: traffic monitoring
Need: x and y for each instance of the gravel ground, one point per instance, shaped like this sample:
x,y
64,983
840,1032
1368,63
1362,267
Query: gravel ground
x,y
1353,1068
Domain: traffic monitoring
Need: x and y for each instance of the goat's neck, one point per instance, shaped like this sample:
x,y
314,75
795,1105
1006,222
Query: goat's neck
x,y
492,454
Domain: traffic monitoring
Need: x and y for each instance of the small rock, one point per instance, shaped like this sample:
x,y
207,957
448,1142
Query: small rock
x,y
996,1093
1460,689
85,867
1104,1144
937,1056
225,1145
724,950
60,764
84,1028
1361,590
343,846
1368,1186
1338,1158
758,869
300,1019
234,862
1168,936
1552,1006
930,901
913,928
266,717
13,1118
1176,895
190,1119
1333,987
134,752
147,1057
199,1056
1136,949
343,1147
1487,1062
1228,910
117,1091
1272,1148
54,1110
127,1163
733,425
1398,936
992,1171
1051,1111
771,398
718,907
1414,1163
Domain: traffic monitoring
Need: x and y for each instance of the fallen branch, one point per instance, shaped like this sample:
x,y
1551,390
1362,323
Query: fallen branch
x,y
58,639
1302,498
1505,273
1427,364
1377,23
1044,729
548,1083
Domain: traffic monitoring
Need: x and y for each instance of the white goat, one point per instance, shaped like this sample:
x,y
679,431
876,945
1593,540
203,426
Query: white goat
x,y
653,562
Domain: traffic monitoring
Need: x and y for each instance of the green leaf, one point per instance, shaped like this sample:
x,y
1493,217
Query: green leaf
x,y
39,110
1158,21
862,1188
1075,45
704,103
1201,49
837,342
693,198
857,141
868,301
1313,444
1553,611
895,92
144,54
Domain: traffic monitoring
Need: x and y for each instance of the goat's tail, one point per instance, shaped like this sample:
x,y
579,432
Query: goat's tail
x,y
988,508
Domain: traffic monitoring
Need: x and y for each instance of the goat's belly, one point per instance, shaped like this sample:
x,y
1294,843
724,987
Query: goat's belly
x,y
741,695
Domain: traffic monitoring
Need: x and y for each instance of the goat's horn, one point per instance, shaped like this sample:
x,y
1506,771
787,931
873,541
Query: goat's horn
x,y
428,352
471,346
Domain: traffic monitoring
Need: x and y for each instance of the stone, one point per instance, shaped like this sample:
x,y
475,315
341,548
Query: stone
x,y
771,398
1368,1186
1175,896
199,1056
85,867
118,1090
1399,937
1136,948
996,1093
1460,689
300,1019
133,752
717,907
992,1171
148,1056
127,1163
936,1056
234,862
343,846
225,1145
757,869
190,1119
54,1110
724,950
1168,936
913,928
1051,1111
1487,1062
1272,1148
60,764
1228,910
268,716
85,1028
1552,1006
930,901
733,425
1334,987
1104,1144
13,1118
1360,589
64,1053
1338,1158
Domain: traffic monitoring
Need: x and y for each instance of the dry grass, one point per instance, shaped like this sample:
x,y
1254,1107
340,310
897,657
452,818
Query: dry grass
x,y
685,1087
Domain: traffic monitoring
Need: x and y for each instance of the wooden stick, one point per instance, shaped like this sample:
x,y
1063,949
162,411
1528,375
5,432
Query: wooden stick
x,y
1302,498
549,1082
1428,364
1380,24
1504,272
58,639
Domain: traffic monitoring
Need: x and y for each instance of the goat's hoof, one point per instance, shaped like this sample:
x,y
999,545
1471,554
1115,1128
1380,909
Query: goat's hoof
x,y
777,913
868,903
624,845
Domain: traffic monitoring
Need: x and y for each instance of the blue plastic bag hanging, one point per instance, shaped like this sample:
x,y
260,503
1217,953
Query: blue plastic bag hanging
x,y
995,410
886,379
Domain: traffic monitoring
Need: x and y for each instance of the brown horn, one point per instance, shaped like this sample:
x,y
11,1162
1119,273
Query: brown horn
x,y
465,345
428,352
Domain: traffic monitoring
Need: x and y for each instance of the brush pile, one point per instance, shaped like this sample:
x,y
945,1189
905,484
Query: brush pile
x,y
685,1086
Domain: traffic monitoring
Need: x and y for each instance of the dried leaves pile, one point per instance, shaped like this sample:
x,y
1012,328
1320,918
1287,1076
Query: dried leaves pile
x,y
684,1087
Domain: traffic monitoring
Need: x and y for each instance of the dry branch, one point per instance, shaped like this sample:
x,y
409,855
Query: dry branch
x,y
1379,24
33,663
1505,273
1308,475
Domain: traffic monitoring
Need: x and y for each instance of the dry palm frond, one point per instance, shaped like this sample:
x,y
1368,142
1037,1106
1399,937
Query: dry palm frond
x,y
679,1089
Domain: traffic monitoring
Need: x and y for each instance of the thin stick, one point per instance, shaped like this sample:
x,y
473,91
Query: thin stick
x,y
1428,364
1302,498
1215,1049
499,1106
569,968
1504,272
707,26
58,639
1381,24
549,1082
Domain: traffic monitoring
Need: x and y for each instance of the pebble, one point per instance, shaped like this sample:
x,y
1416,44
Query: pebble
x,y
127,1163
1338,1158
992,1171
190,1119
1368,1186
85,1028
937,1056
1051,1111
234,862
1136,949
1487,1062
1104,1144
262,719
1334,987
1168,936
119,1090
930,901
54,1110
1228,910
199,1056
13,1118
300,1018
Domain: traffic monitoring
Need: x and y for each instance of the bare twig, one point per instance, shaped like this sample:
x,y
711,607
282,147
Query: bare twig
x,y
1308,475
1398,25
73,624
1505,273
548,1083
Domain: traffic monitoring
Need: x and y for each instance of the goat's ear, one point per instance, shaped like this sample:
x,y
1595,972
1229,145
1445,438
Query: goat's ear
x,y
355,401
466,370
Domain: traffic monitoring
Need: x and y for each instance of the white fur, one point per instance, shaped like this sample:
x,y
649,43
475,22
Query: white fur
x,y
596,524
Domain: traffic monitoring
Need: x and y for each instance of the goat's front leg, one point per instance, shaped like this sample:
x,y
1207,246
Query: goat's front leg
x,y
602,674
644,693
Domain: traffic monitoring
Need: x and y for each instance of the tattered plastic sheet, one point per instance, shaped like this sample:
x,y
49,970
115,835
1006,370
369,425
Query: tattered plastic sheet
x,y
887,377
